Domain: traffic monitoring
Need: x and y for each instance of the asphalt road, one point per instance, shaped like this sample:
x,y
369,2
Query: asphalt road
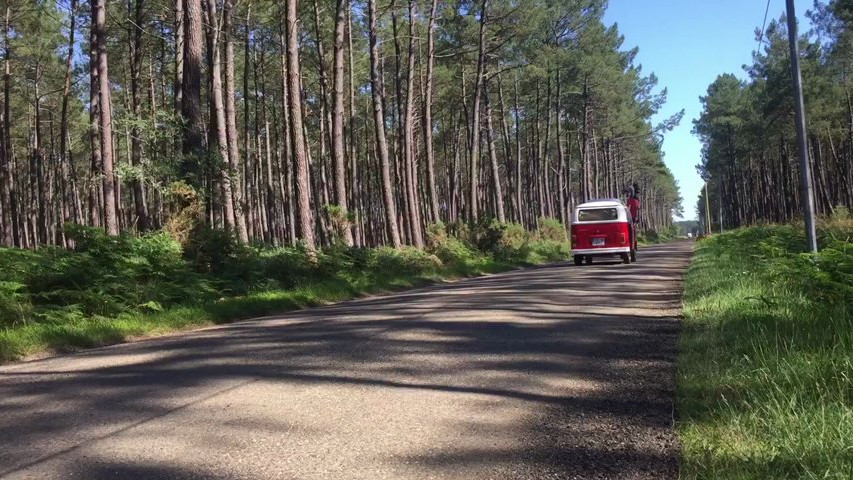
x,y
556,372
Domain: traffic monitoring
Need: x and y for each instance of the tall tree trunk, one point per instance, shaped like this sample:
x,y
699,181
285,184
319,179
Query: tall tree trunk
x,y
338,153
273,220
357,196
231,124
288,149
570,193
38,177
427,123
303,194
454,178
106,120
64,160
6,181
518,179
511,182
400,170
536,165
37,170
545,165
586,168
6,229
248,176
379,124
136,47
595,166
493,156
320,186
219,111
409,138
96,194
10,187
179,56
154,144
474,148
193,135
561,158
260,198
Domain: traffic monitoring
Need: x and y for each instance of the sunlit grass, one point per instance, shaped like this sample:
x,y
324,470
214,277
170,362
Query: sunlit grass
x,y
765,373
78,332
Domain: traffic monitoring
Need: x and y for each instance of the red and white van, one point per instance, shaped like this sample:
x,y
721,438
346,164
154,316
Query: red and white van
x,y
603,228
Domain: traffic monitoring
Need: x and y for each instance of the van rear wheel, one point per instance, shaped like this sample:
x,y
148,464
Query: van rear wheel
x,y
625,258
578,259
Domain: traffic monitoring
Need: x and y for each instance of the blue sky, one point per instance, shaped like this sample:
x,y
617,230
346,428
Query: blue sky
x,y
687,43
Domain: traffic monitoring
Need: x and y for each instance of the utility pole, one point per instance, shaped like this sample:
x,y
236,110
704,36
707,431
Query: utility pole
x,y
799,107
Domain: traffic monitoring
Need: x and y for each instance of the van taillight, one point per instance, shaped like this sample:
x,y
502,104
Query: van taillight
x,y
622,235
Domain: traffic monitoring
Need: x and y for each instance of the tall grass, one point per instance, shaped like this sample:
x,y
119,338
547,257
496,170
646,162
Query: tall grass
x,y
110,289
765,370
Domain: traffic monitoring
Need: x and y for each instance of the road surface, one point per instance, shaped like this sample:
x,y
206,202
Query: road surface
x,y
556,372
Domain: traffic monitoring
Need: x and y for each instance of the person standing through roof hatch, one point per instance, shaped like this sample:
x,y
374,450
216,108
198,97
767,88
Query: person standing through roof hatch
x,y
634,208
634,204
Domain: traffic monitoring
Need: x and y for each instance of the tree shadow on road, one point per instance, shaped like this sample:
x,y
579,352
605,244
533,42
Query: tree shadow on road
x,y
521,339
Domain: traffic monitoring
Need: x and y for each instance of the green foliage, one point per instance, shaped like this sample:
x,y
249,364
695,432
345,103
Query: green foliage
x,y
218,253
436,233
514,239
747,130
104,276
488,236
551,230
405,260
109,288
188,212
765,364
456,252
505,241
650,237
287,265
545,251
841,213
340,220
508,242
450,249
14,304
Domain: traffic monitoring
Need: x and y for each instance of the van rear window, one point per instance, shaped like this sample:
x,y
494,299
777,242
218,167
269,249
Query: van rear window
x,y
597,214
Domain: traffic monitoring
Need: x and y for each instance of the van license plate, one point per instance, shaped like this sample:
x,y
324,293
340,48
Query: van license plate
x,y
597,242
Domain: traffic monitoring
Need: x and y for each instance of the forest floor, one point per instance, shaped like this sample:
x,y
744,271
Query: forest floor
x,y
765,370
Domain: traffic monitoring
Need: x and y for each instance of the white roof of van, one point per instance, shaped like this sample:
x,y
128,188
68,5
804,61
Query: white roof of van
x,y
602,202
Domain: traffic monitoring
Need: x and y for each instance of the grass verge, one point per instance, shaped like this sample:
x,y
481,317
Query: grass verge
x,y
61,336
111,289
765,370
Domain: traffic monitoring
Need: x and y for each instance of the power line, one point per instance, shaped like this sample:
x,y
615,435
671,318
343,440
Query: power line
x,y
763,25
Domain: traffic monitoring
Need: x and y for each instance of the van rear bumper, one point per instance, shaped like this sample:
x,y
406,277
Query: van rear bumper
x,y
601,251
